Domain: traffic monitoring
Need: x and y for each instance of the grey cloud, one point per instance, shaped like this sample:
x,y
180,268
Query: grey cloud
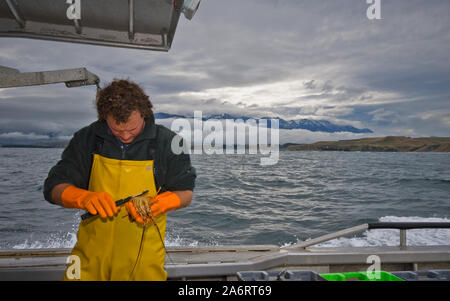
x,y
384,115
329,47
310,84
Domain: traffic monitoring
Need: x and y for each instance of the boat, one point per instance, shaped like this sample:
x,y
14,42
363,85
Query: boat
x,y
223,263
150,25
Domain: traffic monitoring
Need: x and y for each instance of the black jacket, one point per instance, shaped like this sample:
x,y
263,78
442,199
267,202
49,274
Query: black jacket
x,y
172,172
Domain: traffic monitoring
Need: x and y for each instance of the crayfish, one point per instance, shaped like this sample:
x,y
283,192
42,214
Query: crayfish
x,y
143,205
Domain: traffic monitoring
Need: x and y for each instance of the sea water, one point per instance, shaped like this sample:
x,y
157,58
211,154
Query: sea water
x,y
238,201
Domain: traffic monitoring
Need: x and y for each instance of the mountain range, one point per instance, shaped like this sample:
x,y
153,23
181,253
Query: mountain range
x,y
51,139
305,124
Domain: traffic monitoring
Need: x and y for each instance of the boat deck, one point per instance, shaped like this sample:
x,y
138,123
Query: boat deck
x,y
223,262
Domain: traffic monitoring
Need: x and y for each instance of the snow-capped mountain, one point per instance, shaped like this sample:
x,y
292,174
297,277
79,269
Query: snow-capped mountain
x,y
306,124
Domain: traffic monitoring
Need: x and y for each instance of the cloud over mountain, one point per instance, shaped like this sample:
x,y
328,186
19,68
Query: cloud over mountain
x,y
314,60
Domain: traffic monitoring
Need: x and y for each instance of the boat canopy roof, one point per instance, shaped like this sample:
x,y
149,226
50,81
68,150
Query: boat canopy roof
x,y
142,24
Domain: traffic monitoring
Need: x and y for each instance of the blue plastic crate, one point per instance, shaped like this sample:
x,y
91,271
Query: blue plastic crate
x,y
286,275
426,275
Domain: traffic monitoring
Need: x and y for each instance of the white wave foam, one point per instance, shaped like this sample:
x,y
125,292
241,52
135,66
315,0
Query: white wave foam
x,y
69,240
391,237
174,240
179,242
53,242
376,237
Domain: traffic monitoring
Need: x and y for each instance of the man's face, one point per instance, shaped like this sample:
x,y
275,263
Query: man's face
x,y
129,130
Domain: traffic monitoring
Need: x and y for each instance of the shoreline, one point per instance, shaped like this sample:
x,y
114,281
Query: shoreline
x,y
378,144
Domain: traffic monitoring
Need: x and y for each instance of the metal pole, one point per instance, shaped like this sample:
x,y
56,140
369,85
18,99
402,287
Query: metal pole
x,y
323,238
72,78
402,239
16,14
131,19
77,26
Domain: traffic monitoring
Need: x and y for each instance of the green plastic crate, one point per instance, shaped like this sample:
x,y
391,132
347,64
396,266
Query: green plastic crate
x,y
361,276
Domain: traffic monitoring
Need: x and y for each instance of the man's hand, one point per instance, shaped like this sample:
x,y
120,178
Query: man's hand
x,y
132,213
162,203
165,202
95,202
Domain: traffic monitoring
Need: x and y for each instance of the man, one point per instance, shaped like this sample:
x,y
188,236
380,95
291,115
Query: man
x,y
123,153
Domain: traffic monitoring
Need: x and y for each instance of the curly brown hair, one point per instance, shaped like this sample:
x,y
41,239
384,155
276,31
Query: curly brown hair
x,y
120,98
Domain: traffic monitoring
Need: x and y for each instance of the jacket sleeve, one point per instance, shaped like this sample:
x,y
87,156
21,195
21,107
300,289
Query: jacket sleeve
x,y
179,173
73,168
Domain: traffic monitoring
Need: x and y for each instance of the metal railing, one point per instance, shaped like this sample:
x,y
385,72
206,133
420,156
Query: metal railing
x,y
402,226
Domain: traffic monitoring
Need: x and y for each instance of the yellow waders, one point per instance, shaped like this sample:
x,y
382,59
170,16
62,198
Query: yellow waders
x,y
108,248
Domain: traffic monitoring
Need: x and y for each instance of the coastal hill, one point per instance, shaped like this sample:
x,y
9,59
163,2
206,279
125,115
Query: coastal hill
x,y
382,144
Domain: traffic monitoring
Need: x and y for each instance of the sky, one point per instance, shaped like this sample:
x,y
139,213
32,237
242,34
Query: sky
x,y
315,59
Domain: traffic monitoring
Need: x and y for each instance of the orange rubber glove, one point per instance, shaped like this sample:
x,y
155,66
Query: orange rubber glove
x,y
132,213
95,202
162,203
165,202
